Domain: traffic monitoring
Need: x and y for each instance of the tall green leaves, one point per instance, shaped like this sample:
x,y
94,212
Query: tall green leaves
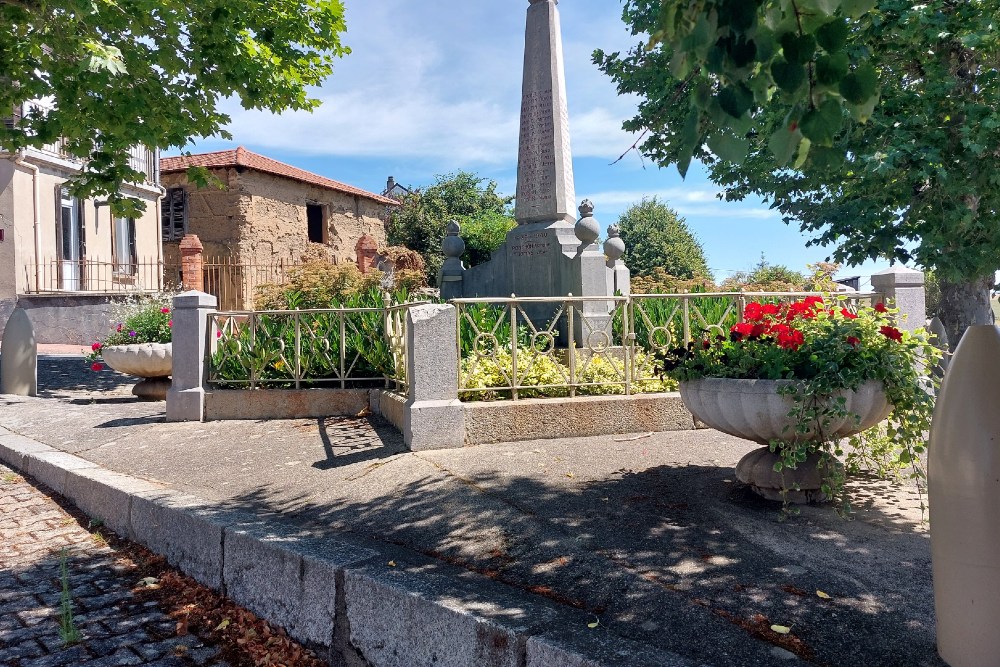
x,y
419,223
742,57
886,148
151,73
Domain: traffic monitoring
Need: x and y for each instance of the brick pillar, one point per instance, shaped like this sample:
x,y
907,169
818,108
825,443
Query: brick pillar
x,y
367,251
192,259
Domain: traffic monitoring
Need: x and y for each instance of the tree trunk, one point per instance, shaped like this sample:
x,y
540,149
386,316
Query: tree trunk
x,y
964,304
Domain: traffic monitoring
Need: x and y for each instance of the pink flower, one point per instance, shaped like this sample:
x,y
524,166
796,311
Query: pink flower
x,y
170,323
96,366
218,334
95,347
119,328
164,310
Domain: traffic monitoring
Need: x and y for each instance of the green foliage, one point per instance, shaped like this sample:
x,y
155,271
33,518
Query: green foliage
x,y
765,277
68,631
120,75
659,281
655,237
320,284
263,350
138,318
537,373
894,157
483,234
420,222
825,348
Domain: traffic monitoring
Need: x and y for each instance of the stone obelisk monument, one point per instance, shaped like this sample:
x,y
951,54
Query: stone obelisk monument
x,y
546,254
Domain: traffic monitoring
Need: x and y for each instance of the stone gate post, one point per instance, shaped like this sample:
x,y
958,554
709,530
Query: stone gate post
x,y
433,416
186,397
905,289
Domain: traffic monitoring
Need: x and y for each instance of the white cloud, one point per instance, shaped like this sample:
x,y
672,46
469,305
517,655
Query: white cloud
x,y
673,197
442,83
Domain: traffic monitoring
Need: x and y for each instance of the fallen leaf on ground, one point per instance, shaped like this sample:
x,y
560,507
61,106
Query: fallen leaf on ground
x,y
392,563
634,437
781,629
822,595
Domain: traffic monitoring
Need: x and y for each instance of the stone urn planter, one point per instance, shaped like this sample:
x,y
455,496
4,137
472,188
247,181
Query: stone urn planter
x,y
754,410
151,361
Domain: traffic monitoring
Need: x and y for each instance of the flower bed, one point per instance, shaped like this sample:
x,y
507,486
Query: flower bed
x,y
826,348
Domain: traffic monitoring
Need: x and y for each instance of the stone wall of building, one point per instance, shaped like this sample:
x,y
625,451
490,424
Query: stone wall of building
x,y
261,217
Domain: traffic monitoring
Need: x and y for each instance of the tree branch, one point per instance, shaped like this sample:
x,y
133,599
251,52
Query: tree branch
x,y
26,5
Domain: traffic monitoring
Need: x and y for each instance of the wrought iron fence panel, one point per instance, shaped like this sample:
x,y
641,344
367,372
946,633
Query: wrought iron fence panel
x,y
343,348
591,344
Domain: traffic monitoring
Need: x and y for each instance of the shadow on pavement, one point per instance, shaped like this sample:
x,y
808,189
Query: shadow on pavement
x,y
675,555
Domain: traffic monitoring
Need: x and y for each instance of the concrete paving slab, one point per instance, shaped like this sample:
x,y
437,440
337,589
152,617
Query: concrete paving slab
x,y
650,534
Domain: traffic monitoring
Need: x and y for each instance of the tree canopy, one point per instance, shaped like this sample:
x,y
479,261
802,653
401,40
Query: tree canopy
x,y
420,222
113,75
655,237
871,124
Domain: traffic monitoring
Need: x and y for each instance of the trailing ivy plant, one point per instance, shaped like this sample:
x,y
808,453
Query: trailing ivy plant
x,y
826,347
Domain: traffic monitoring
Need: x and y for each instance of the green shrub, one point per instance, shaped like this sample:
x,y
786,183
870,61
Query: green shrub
x,y
490,375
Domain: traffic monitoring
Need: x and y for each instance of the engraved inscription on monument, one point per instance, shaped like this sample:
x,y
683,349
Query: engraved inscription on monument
x,y
535,244
536,154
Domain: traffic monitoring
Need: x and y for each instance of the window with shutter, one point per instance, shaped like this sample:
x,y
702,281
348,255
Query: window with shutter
x,y
11,121
173,214
124,247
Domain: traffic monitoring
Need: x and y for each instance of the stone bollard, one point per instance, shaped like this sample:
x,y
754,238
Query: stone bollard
x,y
19,356
905,289
963,488
186,398
192,263
433,416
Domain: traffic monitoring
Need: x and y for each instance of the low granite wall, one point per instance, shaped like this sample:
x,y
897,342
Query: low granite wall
x,y
544,418
284,403
79,319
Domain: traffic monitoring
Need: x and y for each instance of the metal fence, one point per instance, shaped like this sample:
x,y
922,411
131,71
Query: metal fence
x,y
235,283
340,348
535,346
96,275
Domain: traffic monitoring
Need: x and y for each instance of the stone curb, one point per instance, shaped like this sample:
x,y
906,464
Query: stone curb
x,y
356,605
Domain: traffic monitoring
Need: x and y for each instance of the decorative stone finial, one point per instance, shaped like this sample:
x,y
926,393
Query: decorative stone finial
x,y
587,228
614,247
453,245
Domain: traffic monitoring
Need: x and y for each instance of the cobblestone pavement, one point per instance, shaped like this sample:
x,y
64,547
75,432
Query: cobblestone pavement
x,y
116,628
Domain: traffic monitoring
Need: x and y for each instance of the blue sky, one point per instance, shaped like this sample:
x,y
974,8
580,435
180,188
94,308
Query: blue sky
x,y
431,88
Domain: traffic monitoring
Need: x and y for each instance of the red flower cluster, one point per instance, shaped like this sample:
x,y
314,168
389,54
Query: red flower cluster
x,y
95,347
891,333
773,321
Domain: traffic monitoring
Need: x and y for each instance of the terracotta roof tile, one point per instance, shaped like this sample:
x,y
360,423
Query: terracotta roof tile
x,y
241,157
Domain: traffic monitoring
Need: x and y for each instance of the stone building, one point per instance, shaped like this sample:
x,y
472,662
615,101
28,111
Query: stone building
x,y
63,258
261,215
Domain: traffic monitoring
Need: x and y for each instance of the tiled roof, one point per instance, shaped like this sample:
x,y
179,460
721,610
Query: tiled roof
x,y
241,157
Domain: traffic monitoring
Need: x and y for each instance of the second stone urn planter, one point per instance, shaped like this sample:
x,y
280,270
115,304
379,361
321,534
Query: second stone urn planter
x,y
151,361
755,410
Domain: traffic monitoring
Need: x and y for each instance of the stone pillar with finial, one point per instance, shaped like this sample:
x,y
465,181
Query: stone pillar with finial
x,y
587,229
619,277
452,271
